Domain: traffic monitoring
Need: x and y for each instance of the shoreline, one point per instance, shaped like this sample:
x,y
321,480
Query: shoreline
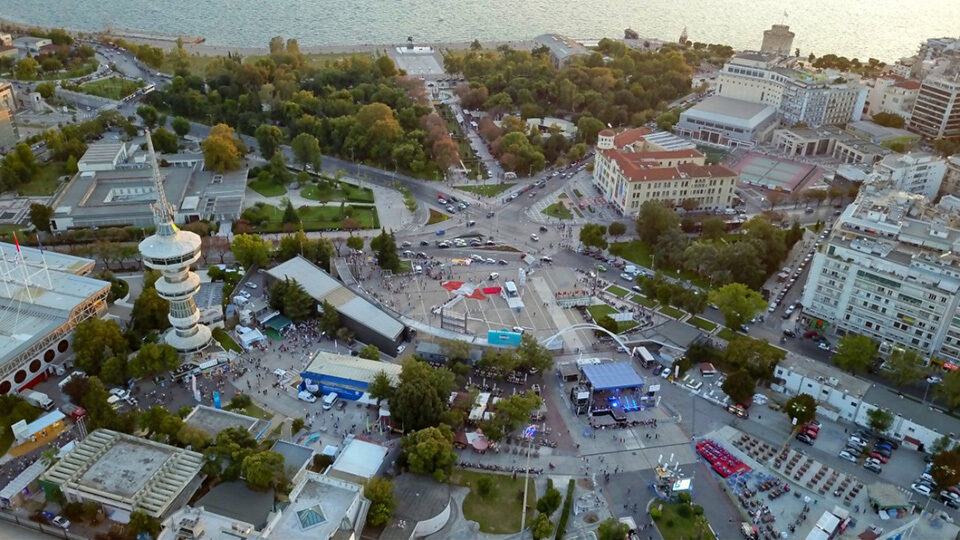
x,y
197,45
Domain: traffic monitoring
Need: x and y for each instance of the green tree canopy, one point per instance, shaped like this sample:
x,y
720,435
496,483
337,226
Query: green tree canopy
x,y
888,119
904,367
269,138
40,215
611,529
654,219
165,141
95,340
380,387
180,125
737,303
379,491
329,318
945,469
148,115
263,470
152,359
740,386
250,249
616,228
949,389
421,395
879,420
306,150
430,451
855,353
370,352
594,235
801,409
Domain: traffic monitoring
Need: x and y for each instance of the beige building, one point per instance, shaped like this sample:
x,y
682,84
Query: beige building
x,y
951,180
936,111
630,170
778,40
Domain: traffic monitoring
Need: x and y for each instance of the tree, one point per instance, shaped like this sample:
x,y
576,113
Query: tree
x,y
712,228
879,420
945,469
541,527
150,312
386,66
40,215
740,386
180,125
380,387
611,529
26,68
510,414
609,324
592,235
193,437
855,353
801,409
655,218
904,367
152,359
269,138
550,501
754,355
148,115
737,303
95,340
616,228
306,150
290,214
532,356
263,470
379,491
222,149
165,141
949,389
355,242
588,127
386,250
114,370
888,120
430,451
421,395
297,425
329,318
455,350
941,445
142,523
19,166
249,250
370,352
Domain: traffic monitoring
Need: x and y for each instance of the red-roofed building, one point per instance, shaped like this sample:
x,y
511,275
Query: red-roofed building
x,y
631,170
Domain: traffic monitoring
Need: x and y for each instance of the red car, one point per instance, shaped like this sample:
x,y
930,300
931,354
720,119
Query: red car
x,y
879,457
812,433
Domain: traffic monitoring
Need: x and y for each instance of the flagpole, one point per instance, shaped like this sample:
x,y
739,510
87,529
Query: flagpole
x,y
43,258
23,268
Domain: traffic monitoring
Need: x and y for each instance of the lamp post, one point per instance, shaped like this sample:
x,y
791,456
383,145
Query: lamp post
x,y
527,434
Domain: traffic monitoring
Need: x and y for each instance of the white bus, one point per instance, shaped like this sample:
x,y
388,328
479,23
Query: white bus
x,y
645,357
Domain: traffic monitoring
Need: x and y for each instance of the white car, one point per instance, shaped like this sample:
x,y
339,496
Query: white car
x,y
534,237
61,522
307,396
847,456
934,379
120,393
250,285
922,489
401,348
823,346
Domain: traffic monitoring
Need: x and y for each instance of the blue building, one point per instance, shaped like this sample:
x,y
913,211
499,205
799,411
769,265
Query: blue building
x,y
347,376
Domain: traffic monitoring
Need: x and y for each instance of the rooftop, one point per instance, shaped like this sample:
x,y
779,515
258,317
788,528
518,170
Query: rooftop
x,y
672,334
235,500
824,373
561,47
925,415
351,368
359,459
612,375
130,471
103,152
295,456
31,308
319,507
198,522
728,109
211,421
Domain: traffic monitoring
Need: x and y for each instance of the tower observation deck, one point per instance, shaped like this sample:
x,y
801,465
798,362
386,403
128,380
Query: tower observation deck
x,y
172,251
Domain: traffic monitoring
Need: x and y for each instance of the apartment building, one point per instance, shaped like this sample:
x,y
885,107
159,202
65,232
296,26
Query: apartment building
x,y
918,172
630,170
799,97
951,180
936,111
889,270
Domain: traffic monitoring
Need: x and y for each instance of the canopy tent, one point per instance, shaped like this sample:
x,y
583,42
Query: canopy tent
x,y
612,376
277,322
886,496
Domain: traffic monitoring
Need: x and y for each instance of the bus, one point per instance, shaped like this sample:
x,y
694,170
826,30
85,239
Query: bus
x,y
646,358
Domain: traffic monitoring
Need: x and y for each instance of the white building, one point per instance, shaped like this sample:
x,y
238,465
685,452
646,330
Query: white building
x,y
919,173
890,270
798,96
951,180
727,122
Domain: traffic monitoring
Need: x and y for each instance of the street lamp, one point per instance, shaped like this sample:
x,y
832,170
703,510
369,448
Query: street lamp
x,y
528,434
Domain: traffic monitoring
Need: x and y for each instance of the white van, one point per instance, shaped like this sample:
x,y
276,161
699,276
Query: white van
x,y
493,276
329,400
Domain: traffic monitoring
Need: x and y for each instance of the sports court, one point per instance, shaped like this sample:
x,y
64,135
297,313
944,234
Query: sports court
x,y
774,173
418,62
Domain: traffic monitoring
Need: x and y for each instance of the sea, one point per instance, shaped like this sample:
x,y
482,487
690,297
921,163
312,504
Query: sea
x,y
882,29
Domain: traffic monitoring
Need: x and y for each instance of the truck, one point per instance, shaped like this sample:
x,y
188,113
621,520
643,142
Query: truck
x,y
74,412
37,399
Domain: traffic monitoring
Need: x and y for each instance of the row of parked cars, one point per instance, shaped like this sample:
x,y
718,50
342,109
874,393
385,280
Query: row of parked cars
x,y
925,485
858,446
809,432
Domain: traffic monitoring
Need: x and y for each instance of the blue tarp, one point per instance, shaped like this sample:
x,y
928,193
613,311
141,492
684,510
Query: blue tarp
x,y
612,376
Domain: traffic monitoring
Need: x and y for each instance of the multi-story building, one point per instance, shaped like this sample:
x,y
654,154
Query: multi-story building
x,y
631,170
890,270
951,180
892,94
919,172
778,40
799,97
726,122
936,111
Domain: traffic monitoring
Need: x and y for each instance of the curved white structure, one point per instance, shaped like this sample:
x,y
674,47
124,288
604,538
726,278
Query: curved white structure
x,y
172,251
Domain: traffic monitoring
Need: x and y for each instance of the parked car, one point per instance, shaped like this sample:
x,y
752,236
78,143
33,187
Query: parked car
x,y
857,441
934,379
922,489
61,522
879,457
873,467
847,456
853,450
534,237
804,438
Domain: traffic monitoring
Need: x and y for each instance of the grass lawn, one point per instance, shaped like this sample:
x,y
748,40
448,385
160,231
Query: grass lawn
x,y
344,192
113,88
599,310
487,190
617,291
406,266
642,300
671,311
558,210
268,188
46,181
255,411
436,217
225,340
703,324
674,526
496,513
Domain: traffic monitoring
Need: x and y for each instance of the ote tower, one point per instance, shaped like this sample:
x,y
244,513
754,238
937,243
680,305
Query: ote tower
x,y
172,251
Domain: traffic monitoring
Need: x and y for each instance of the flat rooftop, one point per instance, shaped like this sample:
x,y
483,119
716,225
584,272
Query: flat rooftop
x,y
319,507
125,468
211,421
352,368
102,152
725,109
360,459
810,368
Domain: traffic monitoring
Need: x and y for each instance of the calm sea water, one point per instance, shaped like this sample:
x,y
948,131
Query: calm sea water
x,y
884,29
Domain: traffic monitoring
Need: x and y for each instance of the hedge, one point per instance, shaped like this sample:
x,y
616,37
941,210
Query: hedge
x,y
565,515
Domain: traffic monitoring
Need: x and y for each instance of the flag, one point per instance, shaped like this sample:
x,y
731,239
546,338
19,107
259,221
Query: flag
x,y
17,243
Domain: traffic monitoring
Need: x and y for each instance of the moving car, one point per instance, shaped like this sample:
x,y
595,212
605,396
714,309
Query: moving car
x,y
534,237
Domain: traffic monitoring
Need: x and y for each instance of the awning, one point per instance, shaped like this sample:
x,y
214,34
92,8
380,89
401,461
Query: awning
x,y
277,322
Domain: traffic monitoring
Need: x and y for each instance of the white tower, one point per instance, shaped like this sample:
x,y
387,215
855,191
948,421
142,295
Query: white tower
x,y
172,251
